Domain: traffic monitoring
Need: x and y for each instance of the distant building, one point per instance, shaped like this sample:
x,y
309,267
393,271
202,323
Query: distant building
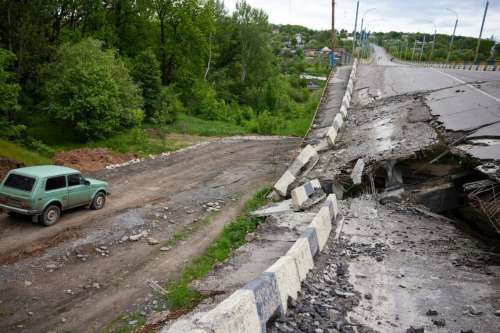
x,y
299,40
276,31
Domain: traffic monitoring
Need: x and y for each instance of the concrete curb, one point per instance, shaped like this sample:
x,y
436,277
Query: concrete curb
x,y
248,309
338,121
306,155
302,193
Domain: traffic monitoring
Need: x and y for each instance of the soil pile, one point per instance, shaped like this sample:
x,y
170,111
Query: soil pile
x,y
7,164
90,159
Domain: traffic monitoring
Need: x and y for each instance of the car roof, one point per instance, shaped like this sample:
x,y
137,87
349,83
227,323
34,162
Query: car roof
x,y
42,171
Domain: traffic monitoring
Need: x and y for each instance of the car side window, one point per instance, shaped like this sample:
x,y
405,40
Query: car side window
x,y
75,179
55,183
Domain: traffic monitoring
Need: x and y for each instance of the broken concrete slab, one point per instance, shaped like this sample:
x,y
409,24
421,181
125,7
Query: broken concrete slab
x,y
283,183
302,193
357,172
275,208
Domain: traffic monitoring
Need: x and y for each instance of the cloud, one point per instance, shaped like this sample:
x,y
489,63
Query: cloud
x,y
397,15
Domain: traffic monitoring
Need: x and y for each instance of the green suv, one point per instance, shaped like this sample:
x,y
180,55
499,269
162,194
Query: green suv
x,y
44,191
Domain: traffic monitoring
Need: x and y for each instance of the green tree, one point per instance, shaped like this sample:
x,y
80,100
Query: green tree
x,y
90,89
146,73
9,90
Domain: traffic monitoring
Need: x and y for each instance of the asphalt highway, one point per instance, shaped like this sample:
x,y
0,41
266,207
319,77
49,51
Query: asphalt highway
x,y
463,100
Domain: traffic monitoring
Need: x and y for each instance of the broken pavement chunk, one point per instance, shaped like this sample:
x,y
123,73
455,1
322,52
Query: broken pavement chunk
x,y
302,193
357,172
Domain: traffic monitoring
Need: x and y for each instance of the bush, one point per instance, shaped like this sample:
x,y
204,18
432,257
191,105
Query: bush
x,y
168,106
40,147
204,102
90,90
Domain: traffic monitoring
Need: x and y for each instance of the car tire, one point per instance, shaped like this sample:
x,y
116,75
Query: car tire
x,y
50,215
99,201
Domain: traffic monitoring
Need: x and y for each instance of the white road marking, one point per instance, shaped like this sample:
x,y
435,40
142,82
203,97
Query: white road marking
x,y
469,85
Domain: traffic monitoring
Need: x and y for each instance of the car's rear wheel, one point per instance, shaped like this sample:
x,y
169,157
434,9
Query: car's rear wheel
x,y
99,201
51,215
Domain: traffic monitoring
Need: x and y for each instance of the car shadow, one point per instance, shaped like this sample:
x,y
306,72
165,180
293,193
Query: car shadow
x,y
16,221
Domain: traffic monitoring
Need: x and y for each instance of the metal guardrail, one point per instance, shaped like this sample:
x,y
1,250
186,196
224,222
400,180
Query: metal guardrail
x,y
483,66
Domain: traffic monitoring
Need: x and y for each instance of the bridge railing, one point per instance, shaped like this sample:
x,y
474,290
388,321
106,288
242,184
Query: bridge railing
x,y
482,66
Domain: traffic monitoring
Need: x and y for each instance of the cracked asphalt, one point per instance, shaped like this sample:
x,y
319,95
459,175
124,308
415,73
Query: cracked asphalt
x,y
397,267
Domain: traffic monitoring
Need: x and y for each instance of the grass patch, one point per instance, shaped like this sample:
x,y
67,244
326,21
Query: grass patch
x,y
188,230
121,324
186,124
179,295
16,152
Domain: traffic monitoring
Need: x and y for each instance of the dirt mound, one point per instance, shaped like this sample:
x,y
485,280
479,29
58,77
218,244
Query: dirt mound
x,y
6,165
88,159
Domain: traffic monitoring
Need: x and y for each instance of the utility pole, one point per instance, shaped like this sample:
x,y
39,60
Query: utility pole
x,y
433,43
414,47
422,49
452,37
355,28
334,34
476,58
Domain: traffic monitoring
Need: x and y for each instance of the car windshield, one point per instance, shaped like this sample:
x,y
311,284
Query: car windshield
x,y
20,182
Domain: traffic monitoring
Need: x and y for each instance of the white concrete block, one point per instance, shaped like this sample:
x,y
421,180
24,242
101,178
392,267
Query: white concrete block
x,y
346,100
338,122
343,111
301,253
350,85
288,279
307,154
323,226
283,183
315,184
236,314
331,135
299,197
302,193
331,203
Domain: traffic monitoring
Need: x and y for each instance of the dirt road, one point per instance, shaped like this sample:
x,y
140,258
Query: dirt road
x,y
80,274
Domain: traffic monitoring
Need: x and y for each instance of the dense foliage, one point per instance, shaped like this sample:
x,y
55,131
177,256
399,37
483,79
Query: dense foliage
x,y
401,45
9,91
90,90
95,67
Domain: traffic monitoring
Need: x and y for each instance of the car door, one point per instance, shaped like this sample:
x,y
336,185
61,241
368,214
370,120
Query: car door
x,y
78,192
55,188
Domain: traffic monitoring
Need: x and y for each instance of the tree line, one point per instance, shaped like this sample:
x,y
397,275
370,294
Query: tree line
x,y
100,66
401,45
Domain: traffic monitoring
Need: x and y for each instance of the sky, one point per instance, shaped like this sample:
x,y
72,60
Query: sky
x,y
387,15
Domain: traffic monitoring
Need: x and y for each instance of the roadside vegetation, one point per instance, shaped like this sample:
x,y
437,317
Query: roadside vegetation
x,y
400,45
179,297
121,74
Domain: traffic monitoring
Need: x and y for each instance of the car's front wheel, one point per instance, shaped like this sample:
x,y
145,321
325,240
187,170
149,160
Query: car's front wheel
x,y
51,215
99,201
